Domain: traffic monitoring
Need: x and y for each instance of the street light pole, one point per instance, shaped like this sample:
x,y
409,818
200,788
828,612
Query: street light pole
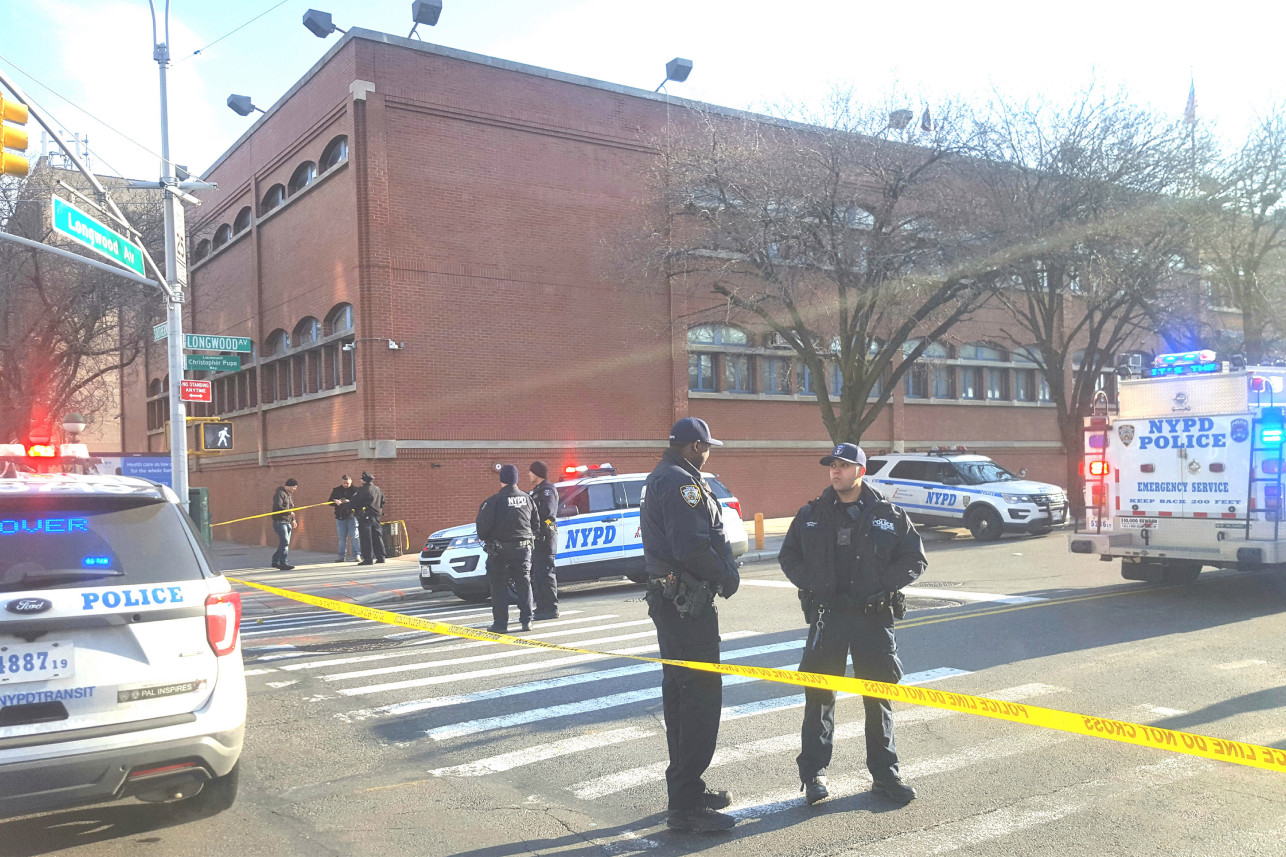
x,y
176,274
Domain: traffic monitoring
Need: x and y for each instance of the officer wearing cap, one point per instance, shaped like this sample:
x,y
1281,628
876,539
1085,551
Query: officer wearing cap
x,y
850,552
544,581
688,559
506,526
368,505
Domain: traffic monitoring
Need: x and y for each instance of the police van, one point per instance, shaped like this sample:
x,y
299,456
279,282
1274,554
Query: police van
x,y
955,488
1186,471
598,534
120,654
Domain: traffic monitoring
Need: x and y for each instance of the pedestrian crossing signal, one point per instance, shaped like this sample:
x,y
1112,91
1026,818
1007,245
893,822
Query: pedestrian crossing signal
x,y
216,437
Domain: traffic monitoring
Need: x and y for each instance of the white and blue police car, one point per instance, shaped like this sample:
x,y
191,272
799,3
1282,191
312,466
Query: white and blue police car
x,y
956,488
598,534
120,653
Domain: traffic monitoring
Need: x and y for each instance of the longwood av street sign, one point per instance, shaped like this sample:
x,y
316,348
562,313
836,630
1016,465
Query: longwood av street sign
x,y
86,231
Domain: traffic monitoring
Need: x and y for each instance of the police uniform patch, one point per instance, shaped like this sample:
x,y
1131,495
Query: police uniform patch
x,y
691,495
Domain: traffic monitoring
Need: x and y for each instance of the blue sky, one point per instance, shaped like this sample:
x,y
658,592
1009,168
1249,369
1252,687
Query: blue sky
x,y
747,54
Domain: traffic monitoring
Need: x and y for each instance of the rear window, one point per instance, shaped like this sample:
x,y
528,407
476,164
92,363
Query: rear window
x,y
720,490
72,542
874,466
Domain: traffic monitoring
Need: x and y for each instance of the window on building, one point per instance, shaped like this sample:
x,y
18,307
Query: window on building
x,y
222,235
1029,380
339,365
242,222
712,353
805,381
778,378
983,382
339,319
275,196
736,373
1106,378
302,177
336,152
202,250
701,373
929,377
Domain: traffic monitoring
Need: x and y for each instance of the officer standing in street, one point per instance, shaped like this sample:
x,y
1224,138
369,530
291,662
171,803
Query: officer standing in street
x,y
688,559
283,522
368,505
544,581
507,525
341,496
851,552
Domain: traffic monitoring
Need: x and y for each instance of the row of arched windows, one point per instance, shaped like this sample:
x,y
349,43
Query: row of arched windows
x,y
314,357
335,153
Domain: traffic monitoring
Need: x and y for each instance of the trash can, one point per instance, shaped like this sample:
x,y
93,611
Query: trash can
x,y
199,511
391,531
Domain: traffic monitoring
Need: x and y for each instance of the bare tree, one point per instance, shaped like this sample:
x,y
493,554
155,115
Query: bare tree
x,y
65,329
844,234
1085,199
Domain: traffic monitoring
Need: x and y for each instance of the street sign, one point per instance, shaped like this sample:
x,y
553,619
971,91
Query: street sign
x,y
85,230
194,391
216,437
211,363
160,331
206,342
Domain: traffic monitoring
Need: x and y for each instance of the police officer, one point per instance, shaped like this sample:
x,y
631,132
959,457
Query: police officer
x,y
506,526
544,582
688,559
368,505
850,552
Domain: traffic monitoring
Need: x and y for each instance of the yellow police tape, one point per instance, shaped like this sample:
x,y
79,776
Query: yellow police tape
x,y
1220,749
266,514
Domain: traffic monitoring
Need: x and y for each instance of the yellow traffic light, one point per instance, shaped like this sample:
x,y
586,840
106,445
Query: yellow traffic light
x,y
12,137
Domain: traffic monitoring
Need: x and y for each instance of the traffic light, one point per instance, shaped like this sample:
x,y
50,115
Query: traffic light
x,y
13,137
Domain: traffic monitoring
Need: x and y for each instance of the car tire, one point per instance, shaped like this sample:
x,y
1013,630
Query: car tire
x,y
985,524
215,796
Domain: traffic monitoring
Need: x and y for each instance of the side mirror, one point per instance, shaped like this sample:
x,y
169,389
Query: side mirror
x,y
568,511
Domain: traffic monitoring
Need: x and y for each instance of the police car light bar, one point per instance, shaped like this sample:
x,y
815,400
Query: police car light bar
x,y
579,470
44,450
1185,358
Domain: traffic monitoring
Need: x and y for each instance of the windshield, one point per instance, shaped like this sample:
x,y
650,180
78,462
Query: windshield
x,y
981,472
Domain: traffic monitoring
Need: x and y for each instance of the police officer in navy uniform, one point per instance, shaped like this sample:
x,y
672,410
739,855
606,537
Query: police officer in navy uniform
x,y
850,552
506,526
688,559
544,580
368,506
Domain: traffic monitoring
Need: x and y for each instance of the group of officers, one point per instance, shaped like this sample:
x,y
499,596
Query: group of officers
x,y
849,552
357,519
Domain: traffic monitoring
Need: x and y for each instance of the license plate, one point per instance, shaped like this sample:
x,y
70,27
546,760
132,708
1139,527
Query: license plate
x,y
1059,515
21,662
426,571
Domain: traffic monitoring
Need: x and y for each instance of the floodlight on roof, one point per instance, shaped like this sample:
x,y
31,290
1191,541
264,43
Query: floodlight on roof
x,y
241,104
319,23
676,70
424,12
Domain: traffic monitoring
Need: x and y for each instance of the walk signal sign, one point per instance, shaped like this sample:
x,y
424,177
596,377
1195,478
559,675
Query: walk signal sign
x,y
13,137
216,437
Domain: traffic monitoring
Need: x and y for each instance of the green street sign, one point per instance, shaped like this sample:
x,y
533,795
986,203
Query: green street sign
x,y
211,363
206,342
85,230
160,331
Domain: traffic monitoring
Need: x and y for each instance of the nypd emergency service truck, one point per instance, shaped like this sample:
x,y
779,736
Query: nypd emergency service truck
x,y
1187,472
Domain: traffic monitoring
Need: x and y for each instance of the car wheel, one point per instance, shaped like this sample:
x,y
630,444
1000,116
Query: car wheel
x,y
985,524
215,796
473,597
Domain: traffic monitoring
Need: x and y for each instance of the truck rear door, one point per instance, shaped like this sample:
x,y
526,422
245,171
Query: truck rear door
x,y
1182,467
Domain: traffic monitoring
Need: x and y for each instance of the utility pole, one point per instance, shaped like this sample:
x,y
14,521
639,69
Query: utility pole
x,y
176,274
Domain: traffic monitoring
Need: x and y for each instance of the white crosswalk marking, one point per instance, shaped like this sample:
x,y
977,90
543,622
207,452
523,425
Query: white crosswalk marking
x,y
543,752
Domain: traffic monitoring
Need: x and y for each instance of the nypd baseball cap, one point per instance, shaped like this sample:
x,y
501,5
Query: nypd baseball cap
x,y
690,430
849,453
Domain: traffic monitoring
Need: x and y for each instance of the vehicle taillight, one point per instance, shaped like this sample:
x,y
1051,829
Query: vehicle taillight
x,y
1098,494
223,621
734,505
1099,468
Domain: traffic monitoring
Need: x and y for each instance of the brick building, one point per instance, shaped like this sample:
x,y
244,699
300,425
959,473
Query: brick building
x,y
420,242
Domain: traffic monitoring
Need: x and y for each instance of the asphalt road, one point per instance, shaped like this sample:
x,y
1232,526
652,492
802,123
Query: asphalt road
x,y
366,739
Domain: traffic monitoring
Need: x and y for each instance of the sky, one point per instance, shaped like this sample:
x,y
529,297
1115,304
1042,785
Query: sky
x,y
96,55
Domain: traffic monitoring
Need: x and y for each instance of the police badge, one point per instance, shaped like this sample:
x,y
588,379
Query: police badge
x,y
1125,432
691,495
1240,431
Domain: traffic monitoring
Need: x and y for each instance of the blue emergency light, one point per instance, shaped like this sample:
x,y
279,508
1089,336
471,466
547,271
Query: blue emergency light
x,y
1185,363
1271,430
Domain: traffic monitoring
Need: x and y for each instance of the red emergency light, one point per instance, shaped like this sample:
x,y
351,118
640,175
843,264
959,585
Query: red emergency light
x,y
1100,468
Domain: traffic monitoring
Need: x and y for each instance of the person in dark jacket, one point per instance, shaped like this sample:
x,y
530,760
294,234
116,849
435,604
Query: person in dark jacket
x,y
544,580
341,496
368,505
283,522
850,552
507,525
688,559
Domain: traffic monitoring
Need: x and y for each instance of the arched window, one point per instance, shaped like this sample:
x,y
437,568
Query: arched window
x,y
706,339
302,177
154,387
275,196
221,235
278,343
202,250
339,319
716,334
307,332
336,152
929,378
242,223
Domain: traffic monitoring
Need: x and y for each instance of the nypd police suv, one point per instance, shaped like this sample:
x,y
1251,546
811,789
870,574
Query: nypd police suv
x,y
953,488
120,654
598,534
